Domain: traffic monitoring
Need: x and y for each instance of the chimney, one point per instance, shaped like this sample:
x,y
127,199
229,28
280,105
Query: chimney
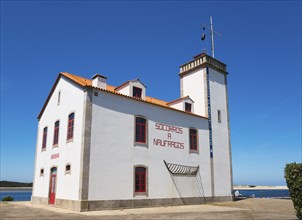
x,y
99,81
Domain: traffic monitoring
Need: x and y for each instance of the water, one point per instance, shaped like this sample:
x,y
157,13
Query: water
x,y
265,193
25,195
18,195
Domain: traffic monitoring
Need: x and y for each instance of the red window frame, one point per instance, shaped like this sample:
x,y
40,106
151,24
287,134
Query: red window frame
x,y
140,130
56,133
137,92
193,140
70,126
140,180
188,107
44,138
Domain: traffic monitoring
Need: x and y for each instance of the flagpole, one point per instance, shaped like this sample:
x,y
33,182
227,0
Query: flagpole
x,y
212,36
212,32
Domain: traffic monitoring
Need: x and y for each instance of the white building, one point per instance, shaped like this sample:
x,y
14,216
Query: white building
x,y
104,147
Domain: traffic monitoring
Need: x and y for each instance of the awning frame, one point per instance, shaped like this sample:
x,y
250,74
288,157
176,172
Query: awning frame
x,y
177,169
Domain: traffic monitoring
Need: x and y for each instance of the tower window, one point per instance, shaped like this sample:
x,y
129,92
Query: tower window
x,y
219,116
44,138
140,130
137,92
188,107
193,140
56,133
70,127
140,180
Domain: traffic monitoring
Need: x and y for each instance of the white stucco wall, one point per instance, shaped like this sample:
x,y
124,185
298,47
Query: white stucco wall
x,y
193,85
113,153
221,148
178,105
125,90
71,100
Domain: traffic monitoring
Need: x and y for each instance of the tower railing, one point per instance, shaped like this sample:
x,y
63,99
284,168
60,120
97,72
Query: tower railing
x,y
203,59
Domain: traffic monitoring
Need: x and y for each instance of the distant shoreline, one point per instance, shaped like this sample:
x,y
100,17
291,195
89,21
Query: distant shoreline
x,y
15,188
240,187
236,187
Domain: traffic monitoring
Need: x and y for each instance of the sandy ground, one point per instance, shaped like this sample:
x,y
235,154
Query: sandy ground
x,y
262,204
253,208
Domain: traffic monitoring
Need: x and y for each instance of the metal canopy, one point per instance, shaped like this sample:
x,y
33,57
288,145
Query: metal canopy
x,y
178,169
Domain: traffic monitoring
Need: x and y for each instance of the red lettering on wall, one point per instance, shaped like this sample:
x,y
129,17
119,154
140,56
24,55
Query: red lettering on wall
x,y
165,143
168,128
54,156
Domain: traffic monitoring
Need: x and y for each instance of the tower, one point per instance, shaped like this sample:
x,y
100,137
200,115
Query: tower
x,y
204,80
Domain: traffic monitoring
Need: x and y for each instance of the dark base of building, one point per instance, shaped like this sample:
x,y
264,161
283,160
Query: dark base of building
x,y
82,206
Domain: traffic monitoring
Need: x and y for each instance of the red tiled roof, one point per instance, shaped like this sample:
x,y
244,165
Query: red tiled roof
x,y
112,89
79,80
88,82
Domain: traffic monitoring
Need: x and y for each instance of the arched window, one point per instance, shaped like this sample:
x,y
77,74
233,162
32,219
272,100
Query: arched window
x,y
193,140
70,126
44,138
140,180
67,168
140,130
42,172
56,133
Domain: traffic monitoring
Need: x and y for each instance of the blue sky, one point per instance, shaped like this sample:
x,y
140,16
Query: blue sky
x,y
260,43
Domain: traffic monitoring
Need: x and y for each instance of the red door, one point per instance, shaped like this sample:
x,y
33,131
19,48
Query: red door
x,y
52,186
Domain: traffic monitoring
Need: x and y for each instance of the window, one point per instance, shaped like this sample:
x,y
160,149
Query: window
x,y
219,116
42,172
59,98
140,180
188,107
67,168
193,140
56,133
137,92
44,138
140,130
70,126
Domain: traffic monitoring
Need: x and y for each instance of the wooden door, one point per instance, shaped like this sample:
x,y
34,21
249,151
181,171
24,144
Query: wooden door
x,y
52,185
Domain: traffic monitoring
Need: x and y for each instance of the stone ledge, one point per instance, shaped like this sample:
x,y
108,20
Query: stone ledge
x,y
96,205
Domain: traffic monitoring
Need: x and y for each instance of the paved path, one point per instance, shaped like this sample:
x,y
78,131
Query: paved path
x,y
244,209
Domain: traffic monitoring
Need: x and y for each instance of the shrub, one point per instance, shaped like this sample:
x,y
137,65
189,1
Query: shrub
x,y
8,198
293,176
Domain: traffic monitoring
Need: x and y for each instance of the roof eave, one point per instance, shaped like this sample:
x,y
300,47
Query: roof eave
x,y
151,103
53,89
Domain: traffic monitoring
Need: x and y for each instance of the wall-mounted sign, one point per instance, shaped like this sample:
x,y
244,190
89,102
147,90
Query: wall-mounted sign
x,y
54,156
170,133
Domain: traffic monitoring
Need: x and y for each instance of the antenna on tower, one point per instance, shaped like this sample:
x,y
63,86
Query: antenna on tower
x,y
212,32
